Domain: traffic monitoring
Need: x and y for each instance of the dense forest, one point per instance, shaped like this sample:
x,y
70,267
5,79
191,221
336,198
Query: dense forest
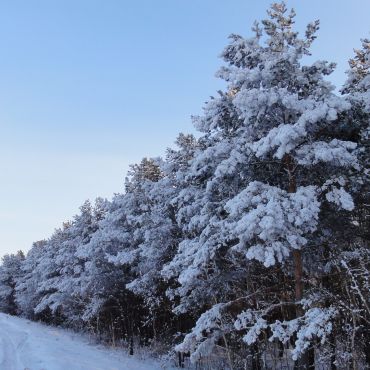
x,y
247,245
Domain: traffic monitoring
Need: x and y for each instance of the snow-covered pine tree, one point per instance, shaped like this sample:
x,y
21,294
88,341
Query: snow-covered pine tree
x,y
351,262
161,233
100,284
113,256
10,272
48,272
64,293
286,133
26,294
205,273
73,283
357,90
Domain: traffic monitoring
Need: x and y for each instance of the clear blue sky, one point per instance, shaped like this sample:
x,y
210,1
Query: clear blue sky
x,y
88,86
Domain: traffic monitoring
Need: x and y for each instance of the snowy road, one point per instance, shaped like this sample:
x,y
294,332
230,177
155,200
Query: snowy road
x,y
25,345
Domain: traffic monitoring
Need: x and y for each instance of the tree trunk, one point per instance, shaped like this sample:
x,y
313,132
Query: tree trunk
x,y
256,358
298,275
307,360
297,253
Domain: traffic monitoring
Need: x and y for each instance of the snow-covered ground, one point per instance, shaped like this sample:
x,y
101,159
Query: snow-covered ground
x,y
25,345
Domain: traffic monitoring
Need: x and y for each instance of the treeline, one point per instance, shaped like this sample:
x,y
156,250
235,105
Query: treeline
x,y
245,248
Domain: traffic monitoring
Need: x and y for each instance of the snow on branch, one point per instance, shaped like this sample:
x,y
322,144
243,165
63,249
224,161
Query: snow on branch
x,y
269,222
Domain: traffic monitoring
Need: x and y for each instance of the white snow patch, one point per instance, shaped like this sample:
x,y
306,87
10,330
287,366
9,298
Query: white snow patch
x,y
32,346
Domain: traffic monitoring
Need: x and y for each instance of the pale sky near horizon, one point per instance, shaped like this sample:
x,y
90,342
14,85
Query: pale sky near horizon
x,y
89,86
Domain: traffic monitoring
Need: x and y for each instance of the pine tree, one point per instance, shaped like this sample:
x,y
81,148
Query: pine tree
x,y
26,294
281,141
10,272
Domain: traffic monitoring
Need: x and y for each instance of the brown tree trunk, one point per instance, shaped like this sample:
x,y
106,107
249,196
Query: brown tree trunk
x,y
307,360
298,275
297,254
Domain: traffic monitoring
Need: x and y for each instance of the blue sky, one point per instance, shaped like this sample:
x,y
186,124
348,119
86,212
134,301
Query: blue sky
x,y
88,87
